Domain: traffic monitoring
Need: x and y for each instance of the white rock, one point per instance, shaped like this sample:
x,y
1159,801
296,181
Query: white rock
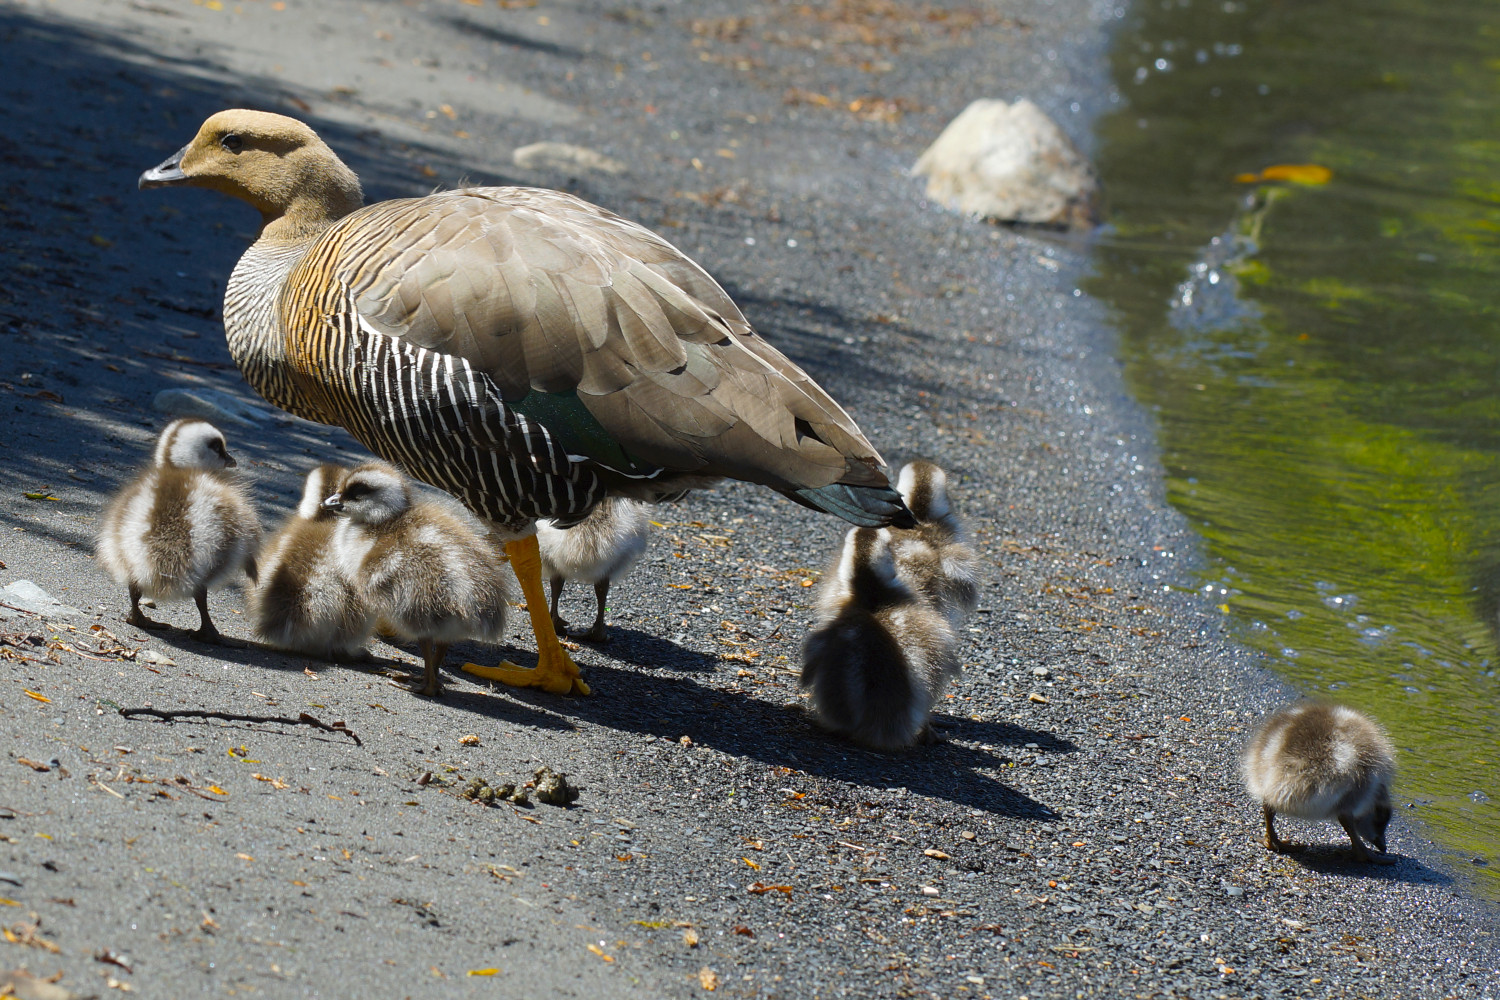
x,y
1010,163
28,596
564,156
210,404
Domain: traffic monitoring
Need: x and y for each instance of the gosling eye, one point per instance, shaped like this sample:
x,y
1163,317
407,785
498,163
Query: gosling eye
x,y
232,142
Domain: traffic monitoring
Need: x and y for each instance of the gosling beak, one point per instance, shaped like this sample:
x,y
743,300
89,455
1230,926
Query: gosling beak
x,y
334,503
229,461
165,173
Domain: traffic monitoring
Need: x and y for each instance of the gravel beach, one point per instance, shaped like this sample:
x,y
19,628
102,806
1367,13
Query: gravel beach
x,y
1081,830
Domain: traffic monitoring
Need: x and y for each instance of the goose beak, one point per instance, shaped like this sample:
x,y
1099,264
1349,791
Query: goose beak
x,y
229,462
165,173
334,503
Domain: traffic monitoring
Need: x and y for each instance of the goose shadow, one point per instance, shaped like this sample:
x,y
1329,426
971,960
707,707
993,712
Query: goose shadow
x,y
739,724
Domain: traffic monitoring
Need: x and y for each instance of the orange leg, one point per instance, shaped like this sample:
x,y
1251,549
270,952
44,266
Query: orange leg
x,y
555,670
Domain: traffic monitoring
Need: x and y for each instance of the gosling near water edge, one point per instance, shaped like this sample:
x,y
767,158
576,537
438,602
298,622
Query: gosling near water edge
x,y
304,601
182,527
426,567
601,548
1319,761
881,652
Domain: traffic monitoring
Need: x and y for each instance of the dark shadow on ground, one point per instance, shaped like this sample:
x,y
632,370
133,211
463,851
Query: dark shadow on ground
x,y
741,725
1329,860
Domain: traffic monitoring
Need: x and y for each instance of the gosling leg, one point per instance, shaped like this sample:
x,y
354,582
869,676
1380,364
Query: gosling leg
x,y
206,630
1274,842
138,617
559,624
433,653
598,633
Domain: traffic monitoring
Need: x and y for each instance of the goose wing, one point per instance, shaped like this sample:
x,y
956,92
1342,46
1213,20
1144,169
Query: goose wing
x,y
599,328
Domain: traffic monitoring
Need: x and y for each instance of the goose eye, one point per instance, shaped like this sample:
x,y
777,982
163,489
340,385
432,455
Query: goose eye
x,y
232,142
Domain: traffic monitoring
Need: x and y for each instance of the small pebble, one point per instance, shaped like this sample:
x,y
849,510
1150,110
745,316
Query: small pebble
x,y
967,834
1042,672
928,890
1233,890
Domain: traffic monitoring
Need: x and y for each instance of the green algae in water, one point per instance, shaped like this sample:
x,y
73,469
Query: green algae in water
x,y
1324,360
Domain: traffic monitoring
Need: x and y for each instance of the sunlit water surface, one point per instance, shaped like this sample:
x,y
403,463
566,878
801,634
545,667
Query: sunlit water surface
x,y
1324,359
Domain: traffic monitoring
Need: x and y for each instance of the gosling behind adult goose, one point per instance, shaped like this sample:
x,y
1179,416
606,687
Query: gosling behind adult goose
x,y
522,349
182,527
427,568
933,557
305,601
1319,761
601,548
881,652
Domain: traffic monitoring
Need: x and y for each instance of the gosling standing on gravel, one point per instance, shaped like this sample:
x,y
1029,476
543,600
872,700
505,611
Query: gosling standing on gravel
x,y
1319,761
881,652
427,567
604,546
182,527
304,601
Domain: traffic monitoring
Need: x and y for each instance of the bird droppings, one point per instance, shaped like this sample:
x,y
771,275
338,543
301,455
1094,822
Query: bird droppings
x,y
553,788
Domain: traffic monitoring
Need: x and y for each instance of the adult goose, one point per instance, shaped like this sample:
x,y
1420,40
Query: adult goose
x,y
525,350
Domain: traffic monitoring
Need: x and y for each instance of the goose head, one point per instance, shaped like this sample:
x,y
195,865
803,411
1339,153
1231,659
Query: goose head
x,y
192,444
275,163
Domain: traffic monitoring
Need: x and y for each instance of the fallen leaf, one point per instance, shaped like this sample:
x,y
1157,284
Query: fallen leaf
x,y
752,864
38,697
33,764
27,934
8,902
690,938
708,979
483,972
744,931
244,857
217,790
274,782
114,958
600,952
469,741
756,888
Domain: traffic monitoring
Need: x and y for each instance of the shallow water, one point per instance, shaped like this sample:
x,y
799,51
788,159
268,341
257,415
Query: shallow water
x,y
1324,359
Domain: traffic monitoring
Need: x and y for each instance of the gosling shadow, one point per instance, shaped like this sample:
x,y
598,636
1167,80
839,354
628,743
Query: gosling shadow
x,y
957,727
742,725
1336,860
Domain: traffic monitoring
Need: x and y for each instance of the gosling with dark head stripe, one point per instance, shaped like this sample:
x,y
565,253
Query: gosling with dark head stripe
x,y
428,568
305,601
881,652
182,527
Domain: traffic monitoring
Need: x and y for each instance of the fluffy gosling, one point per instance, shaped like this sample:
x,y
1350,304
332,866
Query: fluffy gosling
x,y
182,527
604,546
1319,761
881,652
304,601
427,568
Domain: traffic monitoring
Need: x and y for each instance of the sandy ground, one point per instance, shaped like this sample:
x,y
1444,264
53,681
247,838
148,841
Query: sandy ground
x,y
1093,843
